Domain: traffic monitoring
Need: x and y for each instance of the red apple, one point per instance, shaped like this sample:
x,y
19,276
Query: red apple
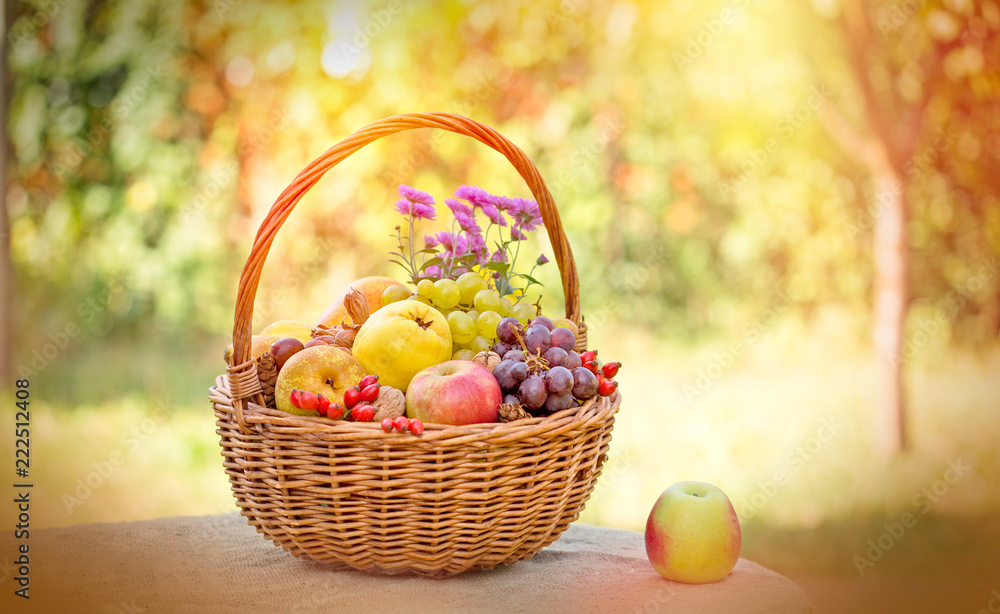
x,y
454,392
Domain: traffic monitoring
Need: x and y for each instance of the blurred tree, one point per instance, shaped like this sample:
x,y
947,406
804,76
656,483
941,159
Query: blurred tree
x,y
921,72
114,195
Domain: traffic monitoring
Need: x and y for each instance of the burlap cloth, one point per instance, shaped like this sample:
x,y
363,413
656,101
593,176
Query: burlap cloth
x,y
220,564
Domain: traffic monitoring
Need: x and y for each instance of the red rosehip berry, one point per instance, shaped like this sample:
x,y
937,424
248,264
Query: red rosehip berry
x,y
351,397
308,400
588,356
592,366
294,397
335,411
416,426
363,413
387,425
611,369
607,387
322,404
367,381
369,393
402,424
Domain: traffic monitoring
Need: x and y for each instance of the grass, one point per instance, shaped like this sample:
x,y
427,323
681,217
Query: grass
x,y
786,430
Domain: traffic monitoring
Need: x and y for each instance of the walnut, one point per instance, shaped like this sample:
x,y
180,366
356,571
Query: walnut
x,y
345,338
357,307
490,360
390,403
321,330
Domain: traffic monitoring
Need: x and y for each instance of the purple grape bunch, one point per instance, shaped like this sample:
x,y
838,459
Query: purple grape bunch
x,y
539,367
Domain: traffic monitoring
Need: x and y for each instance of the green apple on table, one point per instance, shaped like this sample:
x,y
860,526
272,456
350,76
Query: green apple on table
x,y
693,534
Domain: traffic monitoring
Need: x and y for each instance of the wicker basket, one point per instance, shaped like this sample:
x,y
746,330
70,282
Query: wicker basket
x,y
455,498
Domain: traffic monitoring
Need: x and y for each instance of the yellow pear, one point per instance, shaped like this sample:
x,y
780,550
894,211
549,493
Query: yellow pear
x,y
288,328
321,369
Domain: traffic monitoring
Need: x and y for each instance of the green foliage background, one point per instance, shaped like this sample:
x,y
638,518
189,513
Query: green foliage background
x,y
692,168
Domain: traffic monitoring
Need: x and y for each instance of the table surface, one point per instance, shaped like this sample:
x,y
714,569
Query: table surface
x,y
220,564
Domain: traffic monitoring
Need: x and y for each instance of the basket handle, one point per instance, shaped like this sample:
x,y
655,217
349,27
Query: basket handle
x,y
243,373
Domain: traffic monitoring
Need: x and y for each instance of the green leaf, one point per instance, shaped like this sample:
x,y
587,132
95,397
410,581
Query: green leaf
x,y
531,280
431,262
427,250
499,267
503,287
405,266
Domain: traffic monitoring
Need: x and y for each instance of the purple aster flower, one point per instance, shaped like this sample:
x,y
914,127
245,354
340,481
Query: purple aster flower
x,y
504,203
541,259
418,211
477,197
458,208
527,214
453,243
415,196
477,246
493,212
465,216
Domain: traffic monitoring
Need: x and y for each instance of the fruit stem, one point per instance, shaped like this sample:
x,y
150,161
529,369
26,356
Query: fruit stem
x,y
535,361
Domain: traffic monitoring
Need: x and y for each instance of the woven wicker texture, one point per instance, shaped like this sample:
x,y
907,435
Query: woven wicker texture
x,y
453,499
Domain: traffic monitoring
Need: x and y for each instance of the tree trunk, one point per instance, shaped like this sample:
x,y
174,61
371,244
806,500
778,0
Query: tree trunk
x,y
6,270
891,301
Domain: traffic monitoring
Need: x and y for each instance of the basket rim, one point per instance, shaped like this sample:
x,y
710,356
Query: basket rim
x,y
595,411
311,174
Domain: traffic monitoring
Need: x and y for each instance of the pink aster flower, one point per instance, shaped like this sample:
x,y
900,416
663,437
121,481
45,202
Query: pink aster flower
x,y
477,246
492,211
504,203
418,211
415,196
516,234
541,259
456,243
415,203
458,208
477,197
527,214
464,216
431,241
